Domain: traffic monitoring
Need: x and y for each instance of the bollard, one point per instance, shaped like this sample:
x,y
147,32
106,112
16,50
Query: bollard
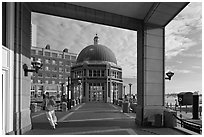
x,y
64,106
195,105
126,107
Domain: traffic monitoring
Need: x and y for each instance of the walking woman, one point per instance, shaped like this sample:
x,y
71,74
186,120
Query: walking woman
x,y
50,111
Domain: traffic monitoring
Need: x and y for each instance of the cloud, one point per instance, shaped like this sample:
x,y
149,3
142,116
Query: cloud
x,y
179,31
196,67
75,35
176,70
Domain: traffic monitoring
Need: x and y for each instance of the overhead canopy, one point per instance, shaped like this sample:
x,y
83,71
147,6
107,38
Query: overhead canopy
x,y
160,13
120,14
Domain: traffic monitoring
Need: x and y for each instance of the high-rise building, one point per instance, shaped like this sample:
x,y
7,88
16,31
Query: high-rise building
x,y
55,70
96,77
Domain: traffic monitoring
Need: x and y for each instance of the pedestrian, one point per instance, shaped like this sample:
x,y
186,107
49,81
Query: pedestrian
x,y
50,111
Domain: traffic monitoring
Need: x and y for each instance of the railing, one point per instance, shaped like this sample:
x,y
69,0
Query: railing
x,y
189,125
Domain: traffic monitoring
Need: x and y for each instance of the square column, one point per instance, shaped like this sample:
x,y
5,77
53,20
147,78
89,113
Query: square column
x,y
150,73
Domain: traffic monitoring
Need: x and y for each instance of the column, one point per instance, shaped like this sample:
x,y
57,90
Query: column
x,y
22,83
150,73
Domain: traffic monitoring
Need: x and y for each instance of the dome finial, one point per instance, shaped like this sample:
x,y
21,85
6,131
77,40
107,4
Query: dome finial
x,y
96,40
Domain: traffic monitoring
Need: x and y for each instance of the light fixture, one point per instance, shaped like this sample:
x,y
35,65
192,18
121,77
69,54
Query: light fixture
x,y
36,66
169,75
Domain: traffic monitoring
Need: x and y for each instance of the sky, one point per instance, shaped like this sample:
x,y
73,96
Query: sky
x,y
183,39
183,44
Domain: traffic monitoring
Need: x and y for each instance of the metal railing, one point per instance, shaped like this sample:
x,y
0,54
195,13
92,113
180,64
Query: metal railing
x,y
189,125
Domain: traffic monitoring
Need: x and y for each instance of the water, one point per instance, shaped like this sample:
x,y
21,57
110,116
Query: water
x,y
171,100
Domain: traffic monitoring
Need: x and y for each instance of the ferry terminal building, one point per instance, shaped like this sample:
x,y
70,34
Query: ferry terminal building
x,y
96,77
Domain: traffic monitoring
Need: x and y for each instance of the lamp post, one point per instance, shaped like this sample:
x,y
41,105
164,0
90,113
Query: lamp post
x,y
36,66
79,86
124,91
113,92
68,100
130,89
62,91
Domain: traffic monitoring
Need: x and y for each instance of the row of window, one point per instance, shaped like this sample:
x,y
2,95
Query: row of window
x,y
54,55
54,62
116,74
40,81
97,73
56,69
91,73
48,75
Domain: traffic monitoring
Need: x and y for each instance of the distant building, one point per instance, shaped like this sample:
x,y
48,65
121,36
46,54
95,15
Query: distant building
x,y
34,35
55,69
96,77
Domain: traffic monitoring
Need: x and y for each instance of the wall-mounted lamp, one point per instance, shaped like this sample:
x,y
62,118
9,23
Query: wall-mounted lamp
x,y
169,75
36,66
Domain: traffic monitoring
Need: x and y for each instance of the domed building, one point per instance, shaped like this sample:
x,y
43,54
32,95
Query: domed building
x,y
96,77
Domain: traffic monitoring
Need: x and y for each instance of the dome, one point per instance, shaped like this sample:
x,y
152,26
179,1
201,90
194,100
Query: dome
x,y
96,53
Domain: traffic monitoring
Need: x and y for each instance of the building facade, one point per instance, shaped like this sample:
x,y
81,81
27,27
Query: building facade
x,y
55,70
96,77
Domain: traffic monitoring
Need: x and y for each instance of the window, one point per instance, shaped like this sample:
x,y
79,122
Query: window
x,y
47,75
94,73
53,82
47,54
40,52
67,63
102,73
39,81
46,81
4,23
33,52
73,57
60,76
61,56
54,55
61,69
90,73
54,62
55,69
47,61
98,73
54,76
40,75
67,69
46,68
61,63
67,57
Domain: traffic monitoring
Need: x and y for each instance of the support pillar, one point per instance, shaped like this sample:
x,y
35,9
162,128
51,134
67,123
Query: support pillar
x,y
150,73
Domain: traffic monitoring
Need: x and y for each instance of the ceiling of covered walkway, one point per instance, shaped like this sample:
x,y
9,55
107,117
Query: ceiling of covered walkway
x,y
158,13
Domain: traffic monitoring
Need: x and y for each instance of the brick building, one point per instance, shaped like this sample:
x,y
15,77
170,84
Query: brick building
x,y
55,70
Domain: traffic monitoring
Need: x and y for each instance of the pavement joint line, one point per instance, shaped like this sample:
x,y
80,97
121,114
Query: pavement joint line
x,y
65,117
38,115
99,119
79,106
130,131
